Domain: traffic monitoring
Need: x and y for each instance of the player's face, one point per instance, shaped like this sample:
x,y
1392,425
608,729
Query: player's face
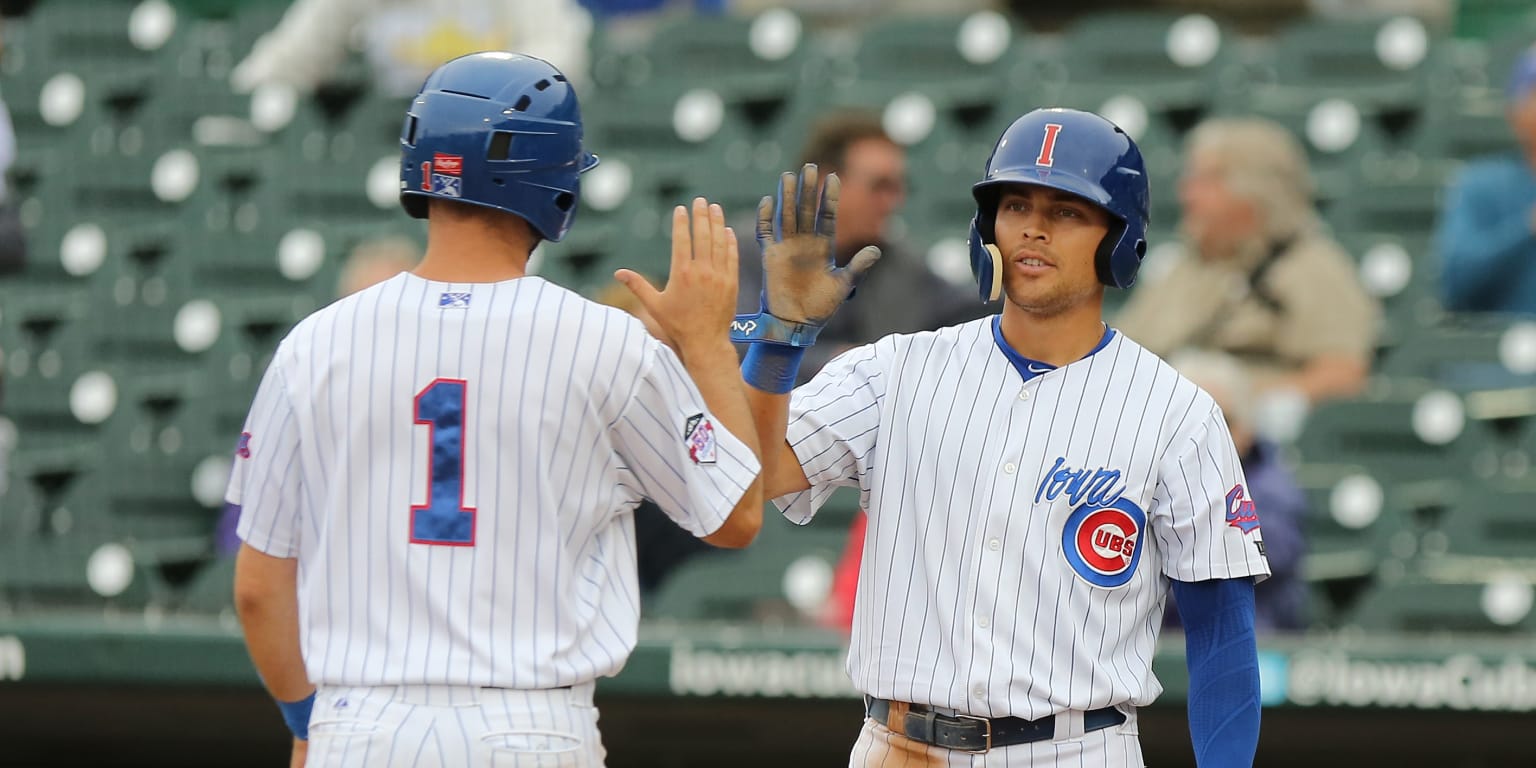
x,y
1048,239
874,177
1214,219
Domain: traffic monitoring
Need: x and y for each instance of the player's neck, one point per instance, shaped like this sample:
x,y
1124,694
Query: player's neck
x,y
1057,339
475,251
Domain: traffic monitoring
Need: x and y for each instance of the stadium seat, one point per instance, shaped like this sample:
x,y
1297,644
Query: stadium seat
x,y
1378,62
1491,518
957,60
1400,429
1171,63
754,62
211,590
749,584
48,348
1400,273
1418,604
1407,204
1471,352
1356,520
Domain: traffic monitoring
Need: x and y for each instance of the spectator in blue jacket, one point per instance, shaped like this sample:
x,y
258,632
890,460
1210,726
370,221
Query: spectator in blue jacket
x,y
1487,237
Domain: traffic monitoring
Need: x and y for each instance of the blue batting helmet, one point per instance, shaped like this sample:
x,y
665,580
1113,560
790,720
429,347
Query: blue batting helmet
x,y
1076,152
497,130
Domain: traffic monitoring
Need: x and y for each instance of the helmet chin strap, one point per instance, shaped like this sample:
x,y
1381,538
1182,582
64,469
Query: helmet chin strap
x,y
996,291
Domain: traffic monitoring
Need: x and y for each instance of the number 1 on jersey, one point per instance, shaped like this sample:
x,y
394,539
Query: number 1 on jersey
x,y
444,519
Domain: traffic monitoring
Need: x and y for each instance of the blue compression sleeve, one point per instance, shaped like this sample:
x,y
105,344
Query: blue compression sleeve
x,y
296,715
772,367
1223,670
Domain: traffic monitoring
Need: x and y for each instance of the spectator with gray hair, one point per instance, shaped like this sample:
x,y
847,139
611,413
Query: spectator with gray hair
x,y
1487,237
1281,600
376,260
1260,278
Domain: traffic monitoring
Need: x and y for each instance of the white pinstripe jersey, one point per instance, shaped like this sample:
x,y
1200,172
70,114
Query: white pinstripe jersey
x,y
1022,531
454,467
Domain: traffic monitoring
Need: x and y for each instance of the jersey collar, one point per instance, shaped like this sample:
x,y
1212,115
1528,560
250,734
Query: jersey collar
x,y
1031,368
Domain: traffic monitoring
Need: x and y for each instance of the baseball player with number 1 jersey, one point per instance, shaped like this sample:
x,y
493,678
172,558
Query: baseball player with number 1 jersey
x,y
1035,481
437,474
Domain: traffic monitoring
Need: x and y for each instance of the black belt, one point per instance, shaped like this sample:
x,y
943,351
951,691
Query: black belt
x,y
969,733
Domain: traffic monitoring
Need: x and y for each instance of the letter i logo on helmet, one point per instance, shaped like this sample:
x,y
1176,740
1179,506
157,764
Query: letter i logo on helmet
x,y
1076,152
498,130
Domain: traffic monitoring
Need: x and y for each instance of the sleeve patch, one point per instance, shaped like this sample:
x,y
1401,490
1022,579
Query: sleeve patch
x,y
1241,512
700,437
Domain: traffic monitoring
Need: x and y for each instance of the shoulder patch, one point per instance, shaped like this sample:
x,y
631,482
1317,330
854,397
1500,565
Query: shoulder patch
x,y
1241,512
699,435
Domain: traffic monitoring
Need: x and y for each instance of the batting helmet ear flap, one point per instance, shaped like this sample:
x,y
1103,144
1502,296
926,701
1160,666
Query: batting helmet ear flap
x,y
986,265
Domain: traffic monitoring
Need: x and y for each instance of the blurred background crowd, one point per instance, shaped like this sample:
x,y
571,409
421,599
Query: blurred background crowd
x,y
1343,252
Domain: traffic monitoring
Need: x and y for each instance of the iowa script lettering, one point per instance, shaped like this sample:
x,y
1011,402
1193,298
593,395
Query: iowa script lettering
x,y
1099,487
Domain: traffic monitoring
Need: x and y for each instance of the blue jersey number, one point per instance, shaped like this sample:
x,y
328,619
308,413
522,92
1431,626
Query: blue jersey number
x,y
444,519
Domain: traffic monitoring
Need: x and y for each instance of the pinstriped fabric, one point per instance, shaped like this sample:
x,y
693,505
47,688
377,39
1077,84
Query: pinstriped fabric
x,y
1022,527
571,414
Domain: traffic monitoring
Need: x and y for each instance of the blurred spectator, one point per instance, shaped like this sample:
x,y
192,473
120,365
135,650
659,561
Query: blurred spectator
x,y
1487,237
405,40
1282,598
903,295
660,545
374,261
1260,278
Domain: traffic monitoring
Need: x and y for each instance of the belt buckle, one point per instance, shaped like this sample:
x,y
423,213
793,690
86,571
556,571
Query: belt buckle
x,y
987,729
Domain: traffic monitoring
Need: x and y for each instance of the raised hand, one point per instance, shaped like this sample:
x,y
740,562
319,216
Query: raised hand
x,y
700,298
802,282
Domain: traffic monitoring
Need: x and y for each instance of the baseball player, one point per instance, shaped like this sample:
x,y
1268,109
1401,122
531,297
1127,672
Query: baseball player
x,y
1035,481
436,477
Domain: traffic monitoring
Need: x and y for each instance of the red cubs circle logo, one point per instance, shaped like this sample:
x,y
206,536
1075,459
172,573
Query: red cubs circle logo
x,y
1103,544
1106,539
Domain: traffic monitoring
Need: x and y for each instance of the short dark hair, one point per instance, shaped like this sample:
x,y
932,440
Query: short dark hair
x,y
831,136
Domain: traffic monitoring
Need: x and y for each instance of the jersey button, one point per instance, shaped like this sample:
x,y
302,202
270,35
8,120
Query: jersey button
x,y
1010,467
982,622
979,692
1023,394
995,545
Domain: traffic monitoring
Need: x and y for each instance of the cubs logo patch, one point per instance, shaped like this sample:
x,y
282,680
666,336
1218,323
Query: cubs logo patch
x,y
1241,512
243,445
699,434
1102,543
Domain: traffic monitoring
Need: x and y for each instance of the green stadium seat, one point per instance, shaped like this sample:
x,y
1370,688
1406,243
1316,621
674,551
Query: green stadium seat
x,y
956,60
1490,19
748,584
1416,604
1172,63
211,590
1492,518
1401,429
754,63
1399,272
1378,62
1408,206
48,347
1470,352
1356,521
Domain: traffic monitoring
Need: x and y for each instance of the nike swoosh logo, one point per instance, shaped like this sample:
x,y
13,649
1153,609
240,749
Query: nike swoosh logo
x,y
1033,369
